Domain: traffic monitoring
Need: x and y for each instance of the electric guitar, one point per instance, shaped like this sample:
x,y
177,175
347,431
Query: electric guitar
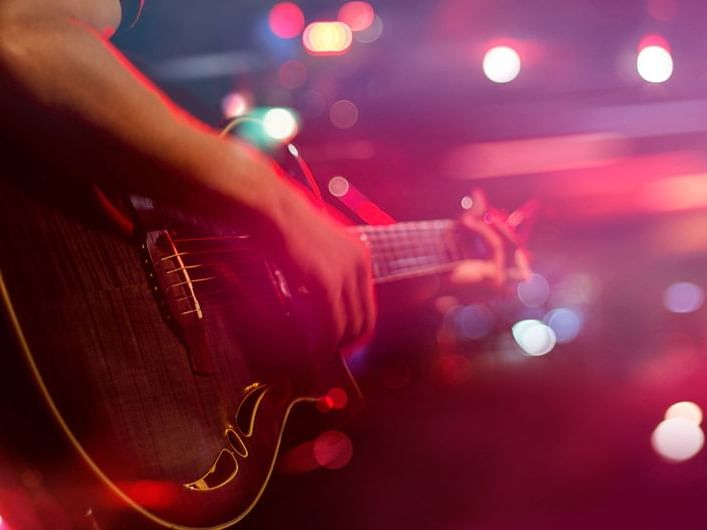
x,y
171,360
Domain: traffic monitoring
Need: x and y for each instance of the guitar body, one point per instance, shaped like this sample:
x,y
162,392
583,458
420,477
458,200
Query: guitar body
x,y
177,413
167,360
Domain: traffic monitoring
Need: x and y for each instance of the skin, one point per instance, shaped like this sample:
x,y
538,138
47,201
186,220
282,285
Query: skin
x,y
73,96
59,73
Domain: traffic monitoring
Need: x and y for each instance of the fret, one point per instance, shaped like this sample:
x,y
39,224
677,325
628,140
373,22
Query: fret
x,y
400,250
411,249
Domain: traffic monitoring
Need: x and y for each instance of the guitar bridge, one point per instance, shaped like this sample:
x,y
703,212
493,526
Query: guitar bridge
x,y
175,287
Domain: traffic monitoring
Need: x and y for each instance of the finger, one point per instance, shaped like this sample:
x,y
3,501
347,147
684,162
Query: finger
x,y
368,302
326,322
479,203
522,270
494,243
352,301
474,271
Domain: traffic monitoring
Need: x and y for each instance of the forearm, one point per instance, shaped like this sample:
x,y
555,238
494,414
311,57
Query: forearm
x,y
66,90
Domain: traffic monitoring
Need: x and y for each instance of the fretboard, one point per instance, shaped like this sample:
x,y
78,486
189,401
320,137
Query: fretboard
x,y
398,251
406,250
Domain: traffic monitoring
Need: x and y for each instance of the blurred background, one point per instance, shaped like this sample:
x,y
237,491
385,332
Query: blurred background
x,y
550,404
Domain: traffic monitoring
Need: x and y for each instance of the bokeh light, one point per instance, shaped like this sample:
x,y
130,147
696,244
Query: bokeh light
x,y
534,337
343,114
472,322
286,20
339,186
335,399
677,439
372,33
292,74
683,297
662,10
565,322
534,291
502,64
280,124
654,64
686,410
333,450
235,104
327,38
357,15
467,202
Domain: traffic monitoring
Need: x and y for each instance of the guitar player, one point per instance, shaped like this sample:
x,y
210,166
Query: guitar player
x,y
73,97
70,98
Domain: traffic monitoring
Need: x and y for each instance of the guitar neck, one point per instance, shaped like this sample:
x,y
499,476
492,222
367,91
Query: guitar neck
x,y
398,251
421,248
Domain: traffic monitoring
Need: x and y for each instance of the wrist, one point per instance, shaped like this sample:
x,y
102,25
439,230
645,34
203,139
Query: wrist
x,y
240,185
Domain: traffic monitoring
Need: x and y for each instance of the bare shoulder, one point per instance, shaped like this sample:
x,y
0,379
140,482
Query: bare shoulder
x,y
103,15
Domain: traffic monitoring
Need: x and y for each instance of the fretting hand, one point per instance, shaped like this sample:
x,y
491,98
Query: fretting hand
x,y
501,240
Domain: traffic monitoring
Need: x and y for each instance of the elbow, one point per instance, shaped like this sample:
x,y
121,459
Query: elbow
x,y
101,17
12,47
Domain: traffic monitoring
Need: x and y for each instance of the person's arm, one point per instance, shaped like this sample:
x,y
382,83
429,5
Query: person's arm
x,y
65,89
69,92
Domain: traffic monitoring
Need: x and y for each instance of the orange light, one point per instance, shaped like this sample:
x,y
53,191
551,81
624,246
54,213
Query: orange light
x,y
357,15
327,38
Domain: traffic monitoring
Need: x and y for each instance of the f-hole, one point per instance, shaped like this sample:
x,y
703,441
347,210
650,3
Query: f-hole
x,y
236,443
245,415
223,471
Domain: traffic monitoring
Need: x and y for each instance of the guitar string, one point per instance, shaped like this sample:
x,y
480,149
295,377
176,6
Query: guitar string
x,y
383,259
384,256
389,246
387,276
389,250
405,246
383,272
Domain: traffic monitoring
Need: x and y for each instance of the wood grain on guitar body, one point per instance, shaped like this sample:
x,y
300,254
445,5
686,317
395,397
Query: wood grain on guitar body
x,y
175,360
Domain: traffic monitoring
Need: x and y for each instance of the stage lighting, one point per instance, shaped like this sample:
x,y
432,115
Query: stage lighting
x,y
327,38
686,410
372,33
333,450
534,337
339,186
683,297
357,15
280,124
654,64
565,322
534,291
677,439
235,104
343,114
502,64
286,20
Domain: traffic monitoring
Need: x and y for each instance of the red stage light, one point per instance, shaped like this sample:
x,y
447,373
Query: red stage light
x,y
333,450
357,15
335,399
653,40
327,38
151,493
286,20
